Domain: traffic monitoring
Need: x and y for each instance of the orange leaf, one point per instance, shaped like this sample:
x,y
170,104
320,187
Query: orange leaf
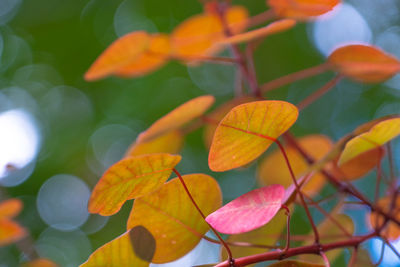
x,y
177,117
302,9
39,263
10,208
171,142
122,252
151,59
273,168
130,178
171,218
358,166
364,63
119,54
273,28
197,35
10,232
378,135
392,230
246,132
219,113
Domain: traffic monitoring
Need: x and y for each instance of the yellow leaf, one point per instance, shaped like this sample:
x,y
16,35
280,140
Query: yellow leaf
x,y
302,9
273,169
119,54
116,253
377,136
364,63
171,142
172,219
246,132
177,117
130,178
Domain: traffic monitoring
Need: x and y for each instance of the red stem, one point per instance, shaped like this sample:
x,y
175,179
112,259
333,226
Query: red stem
x,y
231,260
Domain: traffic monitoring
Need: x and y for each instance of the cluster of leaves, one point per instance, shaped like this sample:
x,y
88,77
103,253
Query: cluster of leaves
x,y
169,218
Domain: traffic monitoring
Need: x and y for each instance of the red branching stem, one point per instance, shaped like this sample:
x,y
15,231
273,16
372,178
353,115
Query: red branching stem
x,y
314,227
391,161
251,80
241,244
353,258
378,181
204,217
320,92
325,258
293,77
260,18
287,213
381,254
311,249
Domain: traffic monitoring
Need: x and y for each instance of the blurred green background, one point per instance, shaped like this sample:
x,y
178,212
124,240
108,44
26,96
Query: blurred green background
x,y
59,132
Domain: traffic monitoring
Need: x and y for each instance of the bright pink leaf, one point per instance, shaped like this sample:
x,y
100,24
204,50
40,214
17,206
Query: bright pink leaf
x,y
249,211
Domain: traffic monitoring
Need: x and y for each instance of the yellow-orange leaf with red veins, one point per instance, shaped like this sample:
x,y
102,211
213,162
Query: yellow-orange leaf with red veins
x,y
130,178
177,117
392,230
377,136
171,217
124,250
273,28
364,63
247,131
196,36
171,142
119,54
273,168
152,58
302,9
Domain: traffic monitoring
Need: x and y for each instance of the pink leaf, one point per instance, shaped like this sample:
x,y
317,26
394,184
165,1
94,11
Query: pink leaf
x,y
249,211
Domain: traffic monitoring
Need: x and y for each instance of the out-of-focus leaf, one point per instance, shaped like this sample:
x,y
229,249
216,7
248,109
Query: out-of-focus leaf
x,y
130,178
219,113
392,230
116,253
364,63
177,117
196,36
170,142
273,168
363,259
295,263
266,235
39,263
10,232
273,28
119,54
243,134
358,166
171,217
249,211
10,208
155,56
378,135
302,9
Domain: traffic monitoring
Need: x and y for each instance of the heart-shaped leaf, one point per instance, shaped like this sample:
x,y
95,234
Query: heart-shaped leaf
x,y
197,35
249,211
246,132
273,28
121,252
364,63
119,54
170,216
377,136
177,117
130,178
170,142
273,168
302,9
